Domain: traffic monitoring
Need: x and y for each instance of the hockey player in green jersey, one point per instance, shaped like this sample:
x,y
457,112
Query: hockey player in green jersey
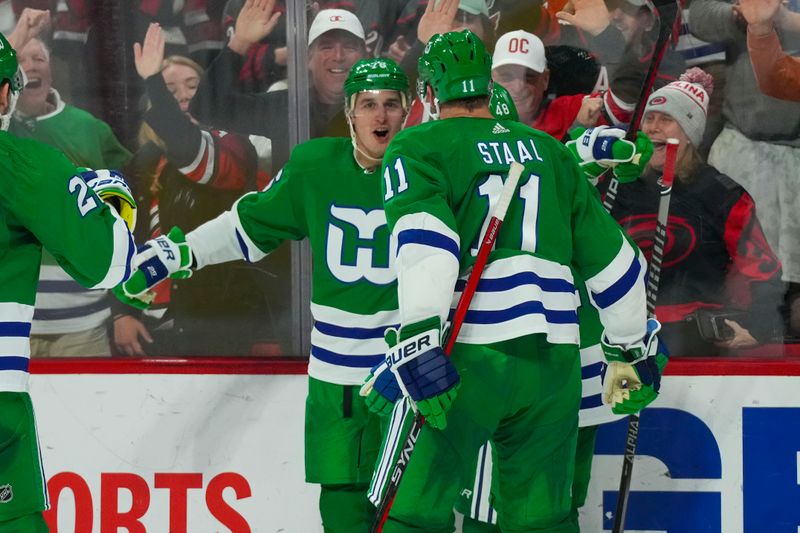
x,y
514,374
328,192
45,202
628,160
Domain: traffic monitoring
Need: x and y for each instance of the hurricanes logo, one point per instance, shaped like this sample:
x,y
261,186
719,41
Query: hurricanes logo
x,y
6,494
681,237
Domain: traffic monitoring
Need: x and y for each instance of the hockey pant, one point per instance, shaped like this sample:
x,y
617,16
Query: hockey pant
x,y
523,395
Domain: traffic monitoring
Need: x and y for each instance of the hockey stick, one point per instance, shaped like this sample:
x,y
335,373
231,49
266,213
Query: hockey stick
x,y
668,15
510,186
653,277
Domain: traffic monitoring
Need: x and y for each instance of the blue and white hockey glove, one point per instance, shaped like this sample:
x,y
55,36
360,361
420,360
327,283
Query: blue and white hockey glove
x,y
112,188
603,147
166,256
632,379
380,387
423,371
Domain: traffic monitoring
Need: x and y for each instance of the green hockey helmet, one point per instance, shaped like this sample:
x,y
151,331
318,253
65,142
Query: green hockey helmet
x,y
501,104
376,74
9,67
455,65
11,73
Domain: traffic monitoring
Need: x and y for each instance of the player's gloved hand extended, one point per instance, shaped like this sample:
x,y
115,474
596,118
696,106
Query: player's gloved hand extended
x,y
112,188
602,147
166,256
423,371
632,379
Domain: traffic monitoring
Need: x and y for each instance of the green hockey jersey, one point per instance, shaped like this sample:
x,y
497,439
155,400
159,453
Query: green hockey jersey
x,y
323,195
441,182
45,203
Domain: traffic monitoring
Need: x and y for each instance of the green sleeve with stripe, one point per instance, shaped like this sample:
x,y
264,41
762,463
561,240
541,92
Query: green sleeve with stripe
x,y
276,214
47,197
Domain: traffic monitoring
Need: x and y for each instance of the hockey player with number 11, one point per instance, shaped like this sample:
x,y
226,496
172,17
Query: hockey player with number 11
x,y
514,373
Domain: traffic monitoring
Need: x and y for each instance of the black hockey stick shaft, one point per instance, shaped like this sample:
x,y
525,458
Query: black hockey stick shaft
x,y
510,186
668,13
653,278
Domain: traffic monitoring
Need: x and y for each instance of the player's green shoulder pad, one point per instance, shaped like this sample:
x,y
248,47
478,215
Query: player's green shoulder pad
x,y
31,163
322,151
419,134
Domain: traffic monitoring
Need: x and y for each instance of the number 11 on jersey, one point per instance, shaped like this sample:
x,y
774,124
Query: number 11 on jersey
x,y
528,193
402,182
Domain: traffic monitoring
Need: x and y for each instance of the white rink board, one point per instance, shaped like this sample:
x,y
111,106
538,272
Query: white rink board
x,y
209,424
245,431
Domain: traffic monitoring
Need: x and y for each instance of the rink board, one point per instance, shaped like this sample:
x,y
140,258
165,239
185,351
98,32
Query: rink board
x,y
207,448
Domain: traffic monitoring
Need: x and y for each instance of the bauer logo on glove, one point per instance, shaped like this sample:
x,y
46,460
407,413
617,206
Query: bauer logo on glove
x,y
167,256
600,148
419,369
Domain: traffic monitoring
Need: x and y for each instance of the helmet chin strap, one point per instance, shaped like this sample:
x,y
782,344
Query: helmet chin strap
x,y
375,162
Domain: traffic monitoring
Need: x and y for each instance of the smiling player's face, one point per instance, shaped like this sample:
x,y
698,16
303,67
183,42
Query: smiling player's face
x,y
377,117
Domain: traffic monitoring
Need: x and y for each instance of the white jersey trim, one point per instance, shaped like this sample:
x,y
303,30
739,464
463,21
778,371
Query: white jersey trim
x,y
518,296
596,413
15,350
427,267
618,293
223,239
123,249
345,345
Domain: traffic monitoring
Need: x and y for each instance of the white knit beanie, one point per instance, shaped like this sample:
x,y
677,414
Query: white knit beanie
x,y
685,100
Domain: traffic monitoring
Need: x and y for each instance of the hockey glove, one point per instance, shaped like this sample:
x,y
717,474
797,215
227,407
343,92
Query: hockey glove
x,y
602,147
632,379
423,371
166,256
112,188
380,387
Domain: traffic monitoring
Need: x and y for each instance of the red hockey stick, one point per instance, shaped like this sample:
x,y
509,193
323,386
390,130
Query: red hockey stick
x,y
510,186
653,277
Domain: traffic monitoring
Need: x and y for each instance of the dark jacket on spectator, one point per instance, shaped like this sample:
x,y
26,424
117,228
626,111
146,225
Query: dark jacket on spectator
x,y
218,103
716,256
198,174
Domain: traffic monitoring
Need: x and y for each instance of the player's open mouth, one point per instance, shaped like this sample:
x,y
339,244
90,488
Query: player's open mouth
x,y
381,133
337,71
33,83
658,145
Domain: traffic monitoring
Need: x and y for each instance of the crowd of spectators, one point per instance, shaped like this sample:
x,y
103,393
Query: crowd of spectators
x,y
208,87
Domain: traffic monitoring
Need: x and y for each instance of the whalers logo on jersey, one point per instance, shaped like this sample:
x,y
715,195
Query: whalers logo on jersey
x,y
359,246
6,494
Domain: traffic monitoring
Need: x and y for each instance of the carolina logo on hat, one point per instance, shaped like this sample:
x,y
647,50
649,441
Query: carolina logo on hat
x,y
658,100
6,494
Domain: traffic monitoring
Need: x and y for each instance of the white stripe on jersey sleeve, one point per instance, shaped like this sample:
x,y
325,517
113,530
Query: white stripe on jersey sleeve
x,y
223,239
618,293
427,268
123,251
